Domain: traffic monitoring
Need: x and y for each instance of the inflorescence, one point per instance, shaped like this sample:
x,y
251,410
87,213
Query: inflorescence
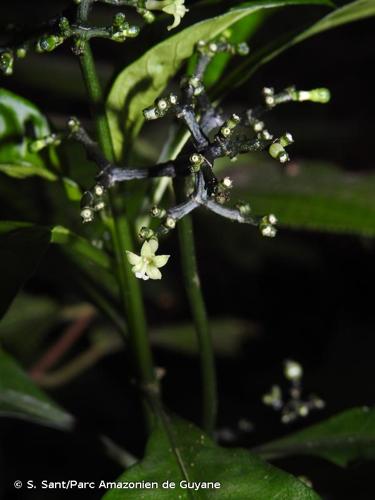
x,y
213,133
295,405
57,30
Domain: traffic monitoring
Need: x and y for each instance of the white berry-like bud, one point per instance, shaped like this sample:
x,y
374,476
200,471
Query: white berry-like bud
x,y
293,370
99,190
227,182
87,215
272,219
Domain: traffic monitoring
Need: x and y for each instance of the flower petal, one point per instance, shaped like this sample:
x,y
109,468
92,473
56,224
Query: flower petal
x,y
154,244
133,258
146,250
153,272
138,267
160,260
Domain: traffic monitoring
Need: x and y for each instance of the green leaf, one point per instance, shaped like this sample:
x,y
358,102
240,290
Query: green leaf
x,y
21,398
228,335
89,259
138,85
318,197
28,313
351,12
72,189
194,457
80,246
21,249
341,439
20,123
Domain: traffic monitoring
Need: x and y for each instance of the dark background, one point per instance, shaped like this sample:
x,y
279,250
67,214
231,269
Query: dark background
x,y
309,294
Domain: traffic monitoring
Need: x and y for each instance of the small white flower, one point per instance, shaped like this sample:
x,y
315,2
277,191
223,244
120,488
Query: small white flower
x,y
175,8
146,266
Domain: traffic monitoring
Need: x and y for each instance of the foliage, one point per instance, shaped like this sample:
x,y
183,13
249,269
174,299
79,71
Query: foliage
x,y
194,458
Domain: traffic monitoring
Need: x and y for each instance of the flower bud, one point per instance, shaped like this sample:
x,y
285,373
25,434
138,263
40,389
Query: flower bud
x,y
48,43
286,139
6,62
146,233
242,49
170,223
87,215
292,370
158,212
21,52
277,151
321,95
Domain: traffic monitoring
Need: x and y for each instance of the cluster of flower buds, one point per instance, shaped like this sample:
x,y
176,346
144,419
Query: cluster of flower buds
x,y
168,222
62,29
267,226
161,107
91,202
222,45
121,29
295,406
213,135
221,193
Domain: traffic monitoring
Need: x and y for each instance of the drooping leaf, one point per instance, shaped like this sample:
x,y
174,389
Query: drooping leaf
x,y
351,12
90,260
228,335
28,313
21,398
20,123
80,246
21,249
137,86
316,197
343,438
193,457
72,189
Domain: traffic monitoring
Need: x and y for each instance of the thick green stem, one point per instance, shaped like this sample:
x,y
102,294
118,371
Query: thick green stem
x,y
121,237
198,310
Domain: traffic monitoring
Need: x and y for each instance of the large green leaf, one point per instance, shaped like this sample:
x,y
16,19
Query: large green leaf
x,y
80,246
90,260
137,86
228,336
317,196
21,248
343,438
28,313
21,398
351,12
193,457
20,123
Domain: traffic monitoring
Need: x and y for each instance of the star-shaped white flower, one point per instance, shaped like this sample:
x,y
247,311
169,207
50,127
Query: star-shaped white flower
x,y
175,8
147,264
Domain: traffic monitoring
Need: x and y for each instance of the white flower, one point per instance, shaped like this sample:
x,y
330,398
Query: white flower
x,y
147,264
175,8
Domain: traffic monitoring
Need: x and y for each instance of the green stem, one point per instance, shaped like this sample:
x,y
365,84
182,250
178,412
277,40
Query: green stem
x,y
198,310
121,236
